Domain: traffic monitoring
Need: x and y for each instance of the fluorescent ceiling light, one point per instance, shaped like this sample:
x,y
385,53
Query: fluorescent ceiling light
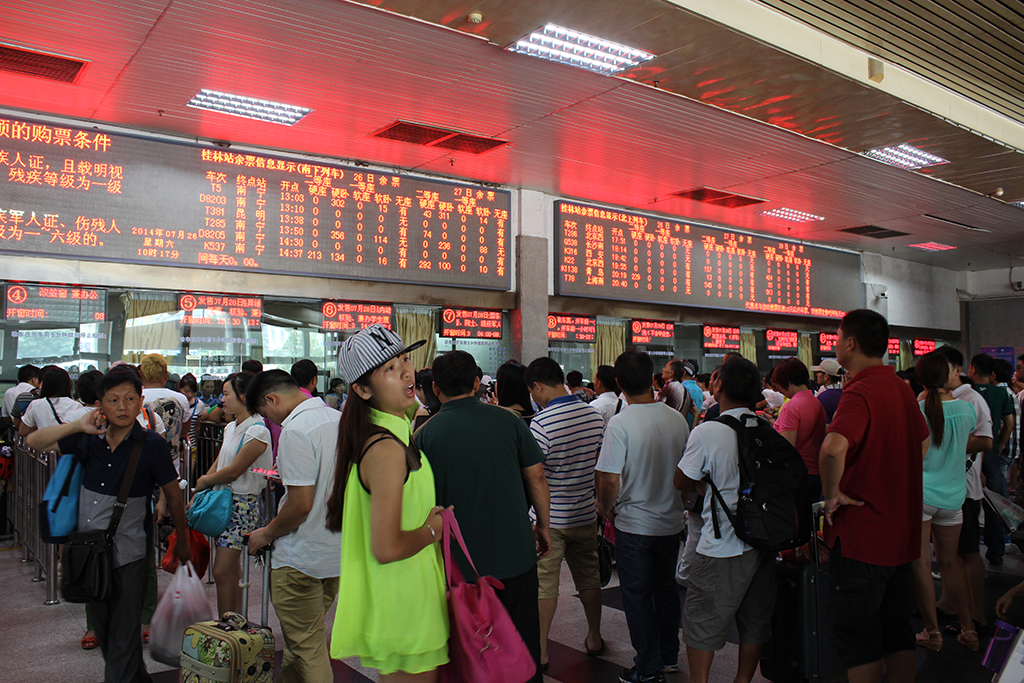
x,y
905,156
249,107
791,215
931,246
564,45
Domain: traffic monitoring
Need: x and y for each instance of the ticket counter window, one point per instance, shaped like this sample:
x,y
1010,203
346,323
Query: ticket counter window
x,y
574,356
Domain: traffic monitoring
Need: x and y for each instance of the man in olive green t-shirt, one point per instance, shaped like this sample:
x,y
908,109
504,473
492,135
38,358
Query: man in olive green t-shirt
x,y
482,455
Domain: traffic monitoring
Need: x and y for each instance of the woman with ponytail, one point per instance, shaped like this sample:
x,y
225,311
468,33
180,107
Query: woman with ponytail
x,y
950,422
391,598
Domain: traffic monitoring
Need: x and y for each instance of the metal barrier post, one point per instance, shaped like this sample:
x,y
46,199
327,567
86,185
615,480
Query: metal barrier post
x,y
51,548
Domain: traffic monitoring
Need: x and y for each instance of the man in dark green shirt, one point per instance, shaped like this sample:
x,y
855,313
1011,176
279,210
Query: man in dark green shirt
x,y
995,466
488,465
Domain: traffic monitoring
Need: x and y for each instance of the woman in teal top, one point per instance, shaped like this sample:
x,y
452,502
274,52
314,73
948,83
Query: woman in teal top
x,y
950,423
391,610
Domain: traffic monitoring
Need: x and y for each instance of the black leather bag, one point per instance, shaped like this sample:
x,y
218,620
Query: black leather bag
x,y
88,556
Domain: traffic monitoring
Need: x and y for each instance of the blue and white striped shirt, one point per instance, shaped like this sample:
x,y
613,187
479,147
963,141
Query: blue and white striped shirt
x,y
569,433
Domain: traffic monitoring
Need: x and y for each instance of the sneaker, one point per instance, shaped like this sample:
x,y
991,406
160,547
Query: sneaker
x,y
672,668
631,676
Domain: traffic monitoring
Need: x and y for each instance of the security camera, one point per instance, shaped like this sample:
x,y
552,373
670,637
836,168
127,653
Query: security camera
x,y
883,295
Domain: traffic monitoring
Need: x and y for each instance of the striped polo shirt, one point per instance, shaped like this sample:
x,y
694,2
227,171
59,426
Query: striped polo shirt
x,y
569,433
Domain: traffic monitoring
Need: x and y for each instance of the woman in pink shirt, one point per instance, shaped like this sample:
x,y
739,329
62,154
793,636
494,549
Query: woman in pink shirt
x,y
802,419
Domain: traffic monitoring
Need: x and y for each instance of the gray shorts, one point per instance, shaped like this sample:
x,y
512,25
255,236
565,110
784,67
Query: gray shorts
x,y
725,587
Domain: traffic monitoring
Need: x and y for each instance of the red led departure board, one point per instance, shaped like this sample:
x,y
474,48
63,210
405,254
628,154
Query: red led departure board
x,y
478,323
54,304
923,346
77,193
607,253
653,332
787,341
894,347
350,316
827,342
721,338
574,328
217,309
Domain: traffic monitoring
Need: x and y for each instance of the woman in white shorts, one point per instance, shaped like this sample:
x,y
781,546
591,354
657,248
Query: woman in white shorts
x,y
950,423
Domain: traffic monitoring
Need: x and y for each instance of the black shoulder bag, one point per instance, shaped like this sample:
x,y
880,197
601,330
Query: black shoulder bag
x,y
88,557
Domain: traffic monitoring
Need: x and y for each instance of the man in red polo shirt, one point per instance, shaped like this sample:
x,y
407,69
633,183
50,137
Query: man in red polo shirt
x,y
871,478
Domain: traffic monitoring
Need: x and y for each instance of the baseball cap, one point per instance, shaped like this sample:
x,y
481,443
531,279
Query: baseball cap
x,y
690,366
830,366
370,348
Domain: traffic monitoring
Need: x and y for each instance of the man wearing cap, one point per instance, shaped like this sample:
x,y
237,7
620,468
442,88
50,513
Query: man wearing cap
x,y
681,391
307,556
826,374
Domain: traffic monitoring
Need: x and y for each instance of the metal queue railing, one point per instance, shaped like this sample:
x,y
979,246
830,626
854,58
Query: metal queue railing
x,y
32,472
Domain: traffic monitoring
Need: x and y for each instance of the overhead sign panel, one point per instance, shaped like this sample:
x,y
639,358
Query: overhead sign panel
x,y
653,332
923,346
613,254
574,328
217,309
827,342
782,341
717,338
54,304
350,316
474,323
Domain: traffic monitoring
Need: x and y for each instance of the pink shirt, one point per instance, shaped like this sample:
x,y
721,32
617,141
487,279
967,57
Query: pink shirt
x,y
804,415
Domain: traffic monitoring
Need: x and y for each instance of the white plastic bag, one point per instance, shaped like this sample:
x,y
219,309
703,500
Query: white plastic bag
x,y
182,605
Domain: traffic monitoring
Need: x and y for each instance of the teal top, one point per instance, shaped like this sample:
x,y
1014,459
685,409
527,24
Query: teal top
x,y
945,478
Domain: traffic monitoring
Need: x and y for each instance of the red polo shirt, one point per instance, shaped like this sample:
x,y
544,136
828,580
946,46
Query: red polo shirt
x,y
879,415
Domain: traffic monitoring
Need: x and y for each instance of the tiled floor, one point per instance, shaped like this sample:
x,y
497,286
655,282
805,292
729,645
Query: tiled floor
x,y
40,644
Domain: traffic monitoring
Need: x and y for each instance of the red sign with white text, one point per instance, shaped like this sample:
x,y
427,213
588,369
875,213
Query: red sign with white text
x,y
574,328
894,347
349,316
923,346
472,323
782,340
721,338
217,309
647,331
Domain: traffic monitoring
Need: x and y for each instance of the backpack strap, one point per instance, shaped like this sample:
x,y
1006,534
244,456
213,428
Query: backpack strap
x,y
126,485
618,405
716,495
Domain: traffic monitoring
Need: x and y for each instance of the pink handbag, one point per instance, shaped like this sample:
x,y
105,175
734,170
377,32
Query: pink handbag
x,y
485,646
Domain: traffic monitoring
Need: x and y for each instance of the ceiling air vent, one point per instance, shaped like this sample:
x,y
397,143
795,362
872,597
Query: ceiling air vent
x,y
710,195
874,231
31,63
432,136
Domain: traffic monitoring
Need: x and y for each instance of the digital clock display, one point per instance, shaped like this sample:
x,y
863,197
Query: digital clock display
x,y
62,304
574,328
613,254
78,193
217,309
718,338
471,323
653,332
350,316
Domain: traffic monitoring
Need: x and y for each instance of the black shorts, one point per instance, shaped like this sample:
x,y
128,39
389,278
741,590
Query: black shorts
x,y
970,536
870,607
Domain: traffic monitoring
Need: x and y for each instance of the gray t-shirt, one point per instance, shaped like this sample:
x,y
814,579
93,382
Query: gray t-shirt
x,y
643,445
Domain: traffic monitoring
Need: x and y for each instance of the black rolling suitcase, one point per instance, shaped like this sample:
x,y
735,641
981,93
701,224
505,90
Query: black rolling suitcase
x,y
801,646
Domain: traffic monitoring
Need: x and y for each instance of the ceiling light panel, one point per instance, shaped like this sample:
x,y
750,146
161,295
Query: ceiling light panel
x,y
564,45
931,246
905,156
791,215
248,107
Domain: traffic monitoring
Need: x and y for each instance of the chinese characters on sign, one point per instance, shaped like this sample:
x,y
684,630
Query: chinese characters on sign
x,y
721,338
476,323
923,346
574,328
827,343
894,348
215,309
650,331
350,316
787,341
55,304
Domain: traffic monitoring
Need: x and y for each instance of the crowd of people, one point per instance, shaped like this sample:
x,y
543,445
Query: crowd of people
x,y
536,465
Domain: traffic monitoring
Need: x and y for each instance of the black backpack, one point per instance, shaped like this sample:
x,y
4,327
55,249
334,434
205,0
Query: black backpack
x,y
773,511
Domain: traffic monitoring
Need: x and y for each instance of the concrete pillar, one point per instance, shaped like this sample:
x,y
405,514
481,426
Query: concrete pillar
x,y
529,323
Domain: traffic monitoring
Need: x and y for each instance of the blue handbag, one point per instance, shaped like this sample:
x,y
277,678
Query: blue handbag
x,y
58,510
210,511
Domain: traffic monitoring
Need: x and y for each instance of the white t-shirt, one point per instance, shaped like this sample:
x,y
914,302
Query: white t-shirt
x,y
39,415
236,436
605,404
157,427
153,393
11,395
966,392
306,456
642,445
712,451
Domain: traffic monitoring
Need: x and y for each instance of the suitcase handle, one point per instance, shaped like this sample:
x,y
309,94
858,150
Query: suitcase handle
x,y
266,553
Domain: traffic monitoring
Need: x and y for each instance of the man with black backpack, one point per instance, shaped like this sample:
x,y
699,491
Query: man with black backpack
x,y
729,577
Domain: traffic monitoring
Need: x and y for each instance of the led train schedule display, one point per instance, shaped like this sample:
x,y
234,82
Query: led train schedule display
x,y
471,323
54,304
78,193
574,328
606,253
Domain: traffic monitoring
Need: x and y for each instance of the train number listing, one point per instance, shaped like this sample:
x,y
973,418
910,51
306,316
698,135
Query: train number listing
x,y
608,253
77,193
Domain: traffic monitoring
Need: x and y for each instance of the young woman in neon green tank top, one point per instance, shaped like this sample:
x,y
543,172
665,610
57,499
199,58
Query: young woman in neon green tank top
x,y
391,597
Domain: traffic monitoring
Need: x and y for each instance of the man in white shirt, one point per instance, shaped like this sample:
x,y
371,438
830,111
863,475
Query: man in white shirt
x,y
970,539
634,490
306,561
607,400
29,378
728,578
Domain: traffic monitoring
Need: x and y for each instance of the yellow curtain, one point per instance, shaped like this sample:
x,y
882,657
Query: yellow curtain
x,y
803,351
413,325
151,324
748,346
611,342
906,360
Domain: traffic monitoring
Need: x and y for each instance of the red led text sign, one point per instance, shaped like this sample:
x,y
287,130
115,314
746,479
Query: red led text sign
x,y
574,328
55,304
216,309
894,347
923,346
782,340
721,338
650,331
475,323
827,342
348,316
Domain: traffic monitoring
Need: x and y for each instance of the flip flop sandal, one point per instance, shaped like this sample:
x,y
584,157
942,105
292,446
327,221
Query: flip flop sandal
x,y
90,642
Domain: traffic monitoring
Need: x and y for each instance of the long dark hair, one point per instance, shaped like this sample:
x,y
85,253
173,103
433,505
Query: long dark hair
x,y
239,382
56,383
932,372
512,389
425,382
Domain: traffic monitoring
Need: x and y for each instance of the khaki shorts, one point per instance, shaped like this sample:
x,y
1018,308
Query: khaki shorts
x,y
578,546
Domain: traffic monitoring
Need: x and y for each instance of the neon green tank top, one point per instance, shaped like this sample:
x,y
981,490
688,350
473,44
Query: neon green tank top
x,y
393,616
